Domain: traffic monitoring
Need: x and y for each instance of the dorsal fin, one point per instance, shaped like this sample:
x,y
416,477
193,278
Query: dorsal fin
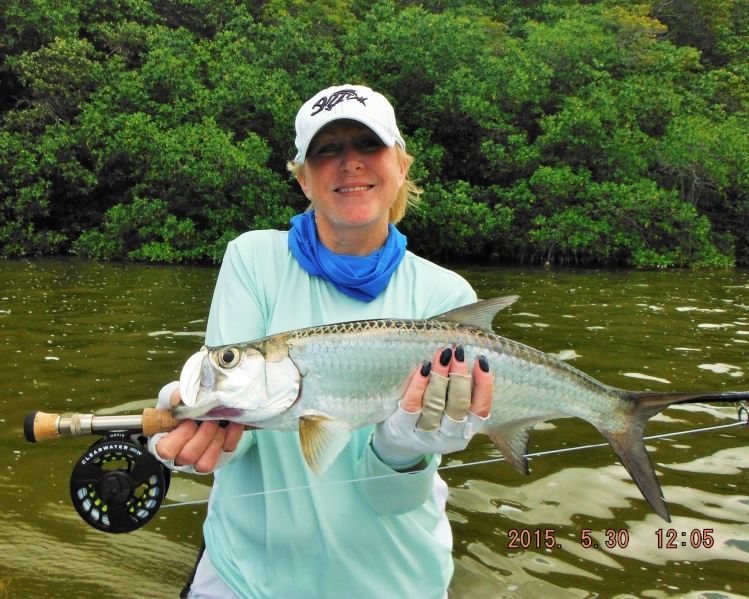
x,y
479,314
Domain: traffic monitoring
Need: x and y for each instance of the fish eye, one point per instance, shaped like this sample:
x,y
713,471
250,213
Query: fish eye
x,y
229,357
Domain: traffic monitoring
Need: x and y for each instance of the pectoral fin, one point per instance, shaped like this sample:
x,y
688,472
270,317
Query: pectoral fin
x,y
322,439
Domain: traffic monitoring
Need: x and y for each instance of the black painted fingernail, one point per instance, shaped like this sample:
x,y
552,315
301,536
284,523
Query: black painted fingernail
x,y
426,368
447,353
223,423
484,363
460,353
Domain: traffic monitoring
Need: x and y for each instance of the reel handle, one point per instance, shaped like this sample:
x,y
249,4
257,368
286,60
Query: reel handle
x,y
40,426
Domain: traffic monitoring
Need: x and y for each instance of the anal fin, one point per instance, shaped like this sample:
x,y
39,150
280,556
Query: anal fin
x,y
512,441
322,439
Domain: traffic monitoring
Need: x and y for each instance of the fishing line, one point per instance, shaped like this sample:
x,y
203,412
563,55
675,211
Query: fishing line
x,y
743,415
596,445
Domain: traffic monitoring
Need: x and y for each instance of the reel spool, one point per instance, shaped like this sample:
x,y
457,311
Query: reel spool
x,y
118,486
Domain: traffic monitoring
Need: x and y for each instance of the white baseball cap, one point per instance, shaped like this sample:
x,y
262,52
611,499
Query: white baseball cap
x,y
354,102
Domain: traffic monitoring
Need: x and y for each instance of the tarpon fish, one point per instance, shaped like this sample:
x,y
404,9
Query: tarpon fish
x,y
326,381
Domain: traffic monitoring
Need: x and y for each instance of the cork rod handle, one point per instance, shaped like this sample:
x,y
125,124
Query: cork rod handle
x,y
40,426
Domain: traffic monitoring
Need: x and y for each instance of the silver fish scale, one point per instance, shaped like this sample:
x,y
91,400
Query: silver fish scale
x,y
531,385
357,372
530,391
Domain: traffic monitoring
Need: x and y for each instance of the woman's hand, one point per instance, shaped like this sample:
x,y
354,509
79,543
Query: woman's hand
x,y
456,399
442,408
198,446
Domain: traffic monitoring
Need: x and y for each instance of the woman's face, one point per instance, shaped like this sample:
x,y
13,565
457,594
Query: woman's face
x,y
352,178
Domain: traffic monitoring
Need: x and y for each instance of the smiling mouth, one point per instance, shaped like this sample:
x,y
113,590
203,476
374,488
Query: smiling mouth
x,y
353,189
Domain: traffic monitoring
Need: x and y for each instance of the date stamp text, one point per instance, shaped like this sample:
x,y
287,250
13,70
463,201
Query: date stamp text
x,y
545,538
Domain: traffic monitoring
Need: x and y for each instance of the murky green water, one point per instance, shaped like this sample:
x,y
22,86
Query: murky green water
x,y
83,336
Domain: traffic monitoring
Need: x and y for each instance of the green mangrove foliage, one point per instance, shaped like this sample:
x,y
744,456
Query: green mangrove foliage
x,y
599,132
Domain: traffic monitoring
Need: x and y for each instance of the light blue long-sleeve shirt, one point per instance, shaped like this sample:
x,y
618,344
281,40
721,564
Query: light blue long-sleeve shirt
x,y
274,528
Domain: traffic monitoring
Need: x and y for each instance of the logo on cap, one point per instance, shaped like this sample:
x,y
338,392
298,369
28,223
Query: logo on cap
x,y
328,103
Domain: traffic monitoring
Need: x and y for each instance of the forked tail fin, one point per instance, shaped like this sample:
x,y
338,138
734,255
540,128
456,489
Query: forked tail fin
x,y
629,447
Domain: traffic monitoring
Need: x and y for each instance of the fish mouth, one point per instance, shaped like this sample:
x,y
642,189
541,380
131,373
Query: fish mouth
x,y
210,411
223,414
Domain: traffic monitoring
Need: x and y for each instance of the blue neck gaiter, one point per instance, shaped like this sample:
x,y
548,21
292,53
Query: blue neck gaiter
x,y
360,277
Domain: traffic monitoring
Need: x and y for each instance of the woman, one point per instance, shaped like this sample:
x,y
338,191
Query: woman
x,y
274,529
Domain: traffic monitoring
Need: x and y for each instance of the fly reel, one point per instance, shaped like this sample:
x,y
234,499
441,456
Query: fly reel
x,y
118,486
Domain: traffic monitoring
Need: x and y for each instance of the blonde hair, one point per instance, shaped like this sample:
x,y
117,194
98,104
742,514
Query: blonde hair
x,y
408,194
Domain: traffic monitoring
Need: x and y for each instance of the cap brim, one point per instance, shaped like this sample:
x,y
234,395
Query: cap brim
x,y
382,132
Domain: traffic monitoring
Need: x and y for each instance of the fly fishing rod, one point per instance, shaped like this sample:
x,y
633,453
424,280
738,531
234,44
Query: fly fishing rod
x,y
117,485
